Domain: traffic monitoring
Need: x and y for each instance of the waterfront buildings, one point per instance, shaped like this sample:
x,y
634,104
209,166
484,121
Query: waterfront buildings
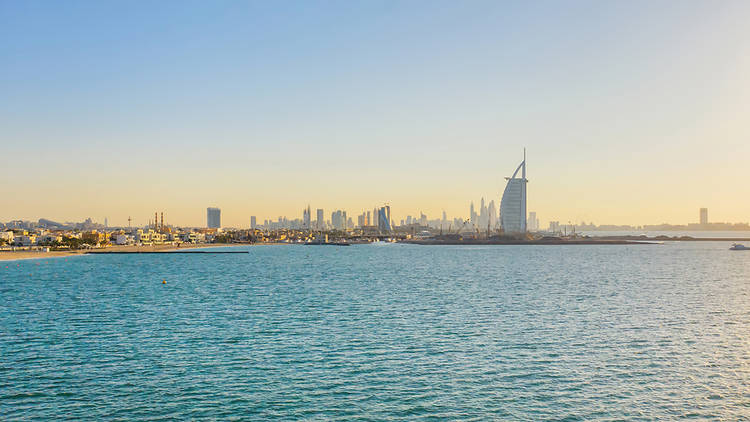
x,y
7,236
213,218
704,216
253,222
513,203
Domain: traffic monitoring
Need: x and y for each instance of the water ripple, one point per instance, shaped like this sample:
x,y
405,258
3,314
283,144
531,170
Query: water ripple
x,y
381,333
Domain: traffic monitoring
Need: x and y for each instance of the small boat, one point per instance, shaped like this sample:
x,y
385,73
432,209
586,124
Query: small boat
x,y
739,247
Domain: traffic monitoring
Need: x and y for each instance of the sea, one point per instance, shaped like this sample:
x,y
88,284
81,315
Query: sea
x,y
376,332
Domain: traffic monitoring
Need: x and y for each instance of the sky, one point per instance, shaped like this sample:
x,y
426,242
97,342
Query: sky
x,y
632,112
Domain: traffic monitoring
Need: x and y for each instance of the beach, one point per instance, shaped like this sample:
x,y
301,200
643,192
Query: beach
x,y
27,254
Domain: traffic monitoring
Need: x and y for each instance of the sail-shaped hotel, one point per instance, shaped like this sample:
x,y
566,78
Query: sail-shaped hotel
x,y
513,204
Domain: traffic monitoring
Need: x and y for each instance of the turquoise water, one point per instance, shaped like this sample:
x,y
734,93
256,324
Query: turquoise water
x,y
394,332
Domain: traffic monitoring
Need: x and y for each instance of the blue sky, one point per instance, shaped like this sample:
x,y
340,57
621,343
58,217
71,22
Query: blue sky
x,y
632,112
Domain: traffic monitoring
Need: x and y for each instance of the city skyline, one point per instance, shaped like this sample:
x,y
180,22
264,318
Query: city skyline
x,y
486,218
631,112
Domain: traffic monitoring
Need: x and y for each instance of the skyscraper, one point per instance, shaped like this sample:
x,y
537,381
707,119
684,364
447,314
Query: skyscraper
x,y
533,223
513,203
492,214
306,218
213,218
704,216
252,222
384,219
338,220
320,222
483,217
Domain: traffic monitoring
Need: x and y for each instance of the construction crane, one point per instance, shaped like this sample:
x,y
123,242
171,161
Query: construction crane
x,y
460,228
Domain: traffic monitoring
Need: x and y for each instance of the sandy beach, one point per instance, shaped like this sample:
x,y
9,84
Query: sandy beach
x,y
25,254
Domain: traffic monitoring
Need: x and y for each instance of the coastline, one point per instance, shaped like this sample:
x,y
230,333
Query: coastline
x,y
25,254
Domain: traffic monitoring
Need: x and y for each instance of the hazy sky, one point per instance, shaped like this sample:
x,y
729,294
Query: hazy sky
x,y
631,111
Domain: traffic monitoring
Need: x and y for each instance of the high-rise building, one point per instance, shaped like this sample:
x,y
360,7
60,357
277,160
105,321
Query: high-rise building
x,y
306,218
321,221
492,214
513,203
338,220
483,217
368,220
472,214
704,216
533,223
384,219
252,222
213,218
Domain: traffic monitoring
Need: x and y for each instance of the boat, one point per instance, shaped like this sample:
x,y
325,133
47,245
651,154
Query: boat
x,y
739,247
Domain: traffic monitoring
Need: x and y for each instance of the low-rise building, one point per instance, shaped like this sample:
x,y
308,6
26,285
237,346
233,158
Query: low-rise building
x,y
123,239
7,236
49,238
25,240
143,237
194,237
94,237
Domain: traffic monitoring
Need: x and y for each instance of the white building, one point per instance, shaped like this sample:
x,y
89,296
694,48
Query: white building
x,y
124,239
193,237
513,203
533,223
7,236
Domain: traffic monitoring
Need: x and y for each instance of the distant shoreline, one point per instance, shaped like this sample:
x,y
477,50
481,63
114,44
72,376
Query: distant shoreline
x,y
604,240
528,242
